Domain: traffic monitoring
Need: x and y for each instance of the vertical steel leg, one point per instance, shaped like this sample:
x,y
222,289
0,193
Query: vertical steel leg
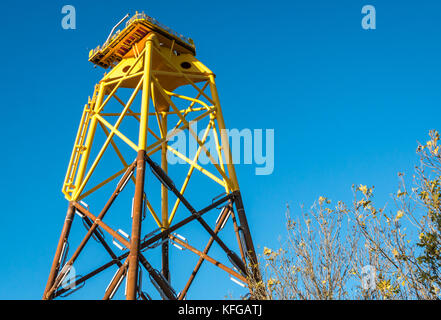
x,y
250,252
93,227
236,231
132,275
59,252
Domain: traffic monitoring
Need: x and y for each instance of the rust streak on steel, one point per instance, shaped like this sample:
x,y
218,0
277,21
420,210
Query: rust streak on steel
x,y
193,212
185,221
59,251
208,258
236,231
108,249
92,228
206,249
249,250
112,232
116,281
103,212
153,239
89,275
162,284
103,242
132,273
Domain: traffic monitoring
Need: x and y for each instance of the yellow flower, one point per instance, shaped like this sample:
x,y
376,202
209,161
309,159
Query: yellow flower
x,y
363,189
395,252
400,214
272,282
267,251
401,193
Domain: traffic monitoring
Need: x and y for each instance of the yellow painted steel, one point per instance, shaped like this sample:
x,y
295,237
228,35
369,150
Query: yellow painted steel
x,y
190,172
84,150
155,67
146,93
137,27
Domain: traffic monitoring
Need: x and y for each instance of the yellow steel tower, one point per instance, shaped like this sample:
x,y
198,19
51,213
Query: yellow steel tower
x,y
155,90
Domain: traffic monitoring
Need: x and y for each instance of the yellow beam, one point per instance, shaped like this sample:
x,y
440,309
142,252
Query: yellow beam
x,y
106,143
197,166
180,96
102,184
161,90
219,150
187,178
89,140
143,124
114,130
224,136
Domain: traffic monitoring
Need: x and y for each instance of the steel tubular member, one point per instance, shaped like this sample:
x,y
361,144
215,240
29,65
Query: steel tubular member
x,y
249,251
208,258
236,231
103,242
152,240
59,251
164,286
132,273
165,179
92,228
154,64
116,281
112,232
221,221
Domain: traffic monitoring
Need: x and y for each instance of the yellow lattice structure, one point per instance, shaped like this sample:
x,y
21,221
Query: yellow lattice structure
x,y
153,63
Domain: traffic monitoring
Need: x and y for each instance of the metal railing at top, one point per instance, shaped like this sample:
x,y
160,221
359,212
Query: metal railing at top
x,y
143,16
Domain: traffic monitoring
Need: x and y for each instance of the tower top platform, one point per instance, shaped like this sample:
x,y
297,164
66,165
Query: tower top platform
x,y
136,28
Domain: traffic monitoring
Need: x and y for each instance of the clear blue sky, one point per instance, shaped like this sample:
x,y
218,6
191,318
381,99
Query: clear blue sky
x,y
347,105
